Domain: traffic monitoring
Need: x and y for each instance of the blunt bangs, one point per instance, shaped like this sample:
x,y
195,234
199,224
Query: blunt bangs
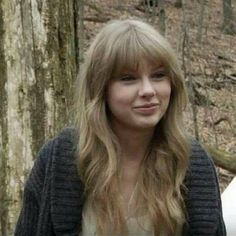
x,y
133,47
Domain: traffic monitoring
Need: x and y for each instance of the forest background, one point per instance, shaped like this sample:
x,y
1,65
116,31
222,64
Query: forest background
x,y
42,44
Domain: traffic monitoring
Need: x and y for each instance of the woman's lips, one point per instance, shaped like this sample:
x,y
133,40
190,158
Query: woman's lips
x,y
148,110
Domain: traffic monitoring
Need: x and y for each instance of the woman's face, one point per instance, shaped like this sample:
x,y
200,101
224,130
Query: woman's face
x,y
139,99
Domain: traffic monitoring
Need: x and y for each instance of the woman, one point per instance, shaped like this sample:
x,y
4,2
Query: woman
x,y
128,168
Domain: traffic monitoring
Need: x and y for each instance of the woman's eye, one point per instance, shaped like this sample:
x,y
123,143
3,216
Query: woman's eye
x,y
127,78
159,75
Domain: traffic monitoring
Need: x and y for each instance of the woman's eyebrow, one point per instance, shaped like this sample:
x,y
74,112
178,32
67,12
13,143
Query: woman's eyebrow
x,y
160,68
127,71
156,67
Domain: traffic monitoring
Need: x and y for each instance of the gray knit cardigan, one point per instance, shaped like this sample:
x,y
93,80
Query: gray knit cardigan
x,y
52,203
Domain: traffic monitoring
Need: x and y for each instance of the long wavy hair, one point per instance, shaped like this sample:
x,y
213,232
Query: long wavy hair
x,y
124,43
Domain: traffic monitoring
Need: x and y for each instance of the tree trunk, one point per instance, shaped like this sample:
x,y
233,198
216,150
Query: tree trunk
x,y
119,4
228,23
81,30
38,61
201,20
178,3
186,53
222,159
162,16
3,134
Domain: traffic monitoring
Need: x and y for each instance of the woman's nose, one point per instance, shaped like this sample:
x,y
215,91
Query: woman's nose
x,y
146,88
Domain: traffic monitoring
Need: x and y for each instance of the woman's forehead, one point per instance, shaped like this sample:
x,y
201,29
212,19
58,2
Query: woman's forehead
x,y
142,65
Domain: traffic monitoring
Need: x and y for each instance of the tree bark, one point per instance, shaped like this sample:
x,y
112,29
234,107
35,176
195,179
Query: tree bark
x,y
178,3
228,26
162,16
81,30
187,63
3,134
201,20
38,64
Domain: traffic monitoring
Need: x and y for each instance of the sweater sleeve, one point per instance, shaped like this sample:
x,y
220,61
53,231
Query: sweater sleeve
x,y
203,199
221,230
28,218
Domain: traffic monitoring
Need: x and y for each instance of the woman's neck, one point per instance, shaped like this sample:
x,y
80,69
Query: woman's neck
x,y
133,143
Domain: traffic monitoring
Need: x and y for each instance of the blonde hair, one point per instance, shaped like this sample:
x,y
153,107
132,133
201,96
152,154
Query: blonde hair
x,y
123,43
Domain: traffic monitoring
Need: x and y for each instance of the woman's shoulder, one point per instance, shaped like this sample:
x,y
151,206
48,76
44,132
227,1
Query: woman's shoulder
x,y
68,134
56,157
64,151
64,141
199,154
203,194
58,150
201,169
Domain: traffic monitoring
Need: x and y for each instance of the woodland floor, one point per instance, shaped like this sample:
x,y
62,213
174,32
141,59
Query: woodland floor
x,y
211,63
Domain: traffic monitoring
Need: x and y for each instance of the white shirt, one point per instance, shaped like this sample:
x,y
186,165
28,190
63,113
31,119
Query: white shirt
x,y
137,226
